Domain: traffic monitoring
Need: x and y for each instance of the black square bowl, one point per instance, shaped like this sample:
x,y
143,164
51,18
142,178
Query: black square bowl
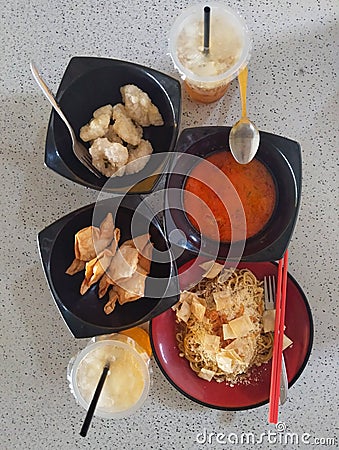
x,y
281,156
84,314
89,83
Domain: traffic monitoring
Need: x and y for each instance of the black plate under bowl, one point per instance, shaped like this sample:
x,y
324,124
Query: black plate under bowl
x,y
89,83
84,315
280,155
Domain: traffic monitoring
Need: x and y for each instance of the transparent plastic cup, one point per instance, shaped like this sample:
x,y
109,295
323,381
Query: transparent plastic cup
x,y
128,380
207,76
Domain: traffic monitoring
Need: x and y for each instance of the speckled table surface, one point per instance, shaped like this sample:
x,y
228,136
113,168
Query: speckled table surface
x,y
292,91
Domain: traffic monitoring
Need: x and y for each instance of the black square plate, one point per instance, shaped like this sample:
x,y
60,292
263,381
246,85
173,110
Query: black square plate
x,y
89,83
84,314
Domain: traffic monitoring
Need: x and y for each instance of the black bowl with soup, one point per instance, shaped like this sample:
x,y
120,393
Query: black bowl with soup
x,y
89,83
275,175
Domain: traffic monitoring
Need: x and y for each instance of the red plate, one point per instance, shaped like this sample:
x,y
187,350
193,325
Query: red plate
x,y
299,328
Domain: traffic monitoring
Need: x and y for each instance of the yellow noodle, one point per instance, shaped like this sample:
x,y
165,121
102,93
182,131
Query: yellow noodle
x,y
247,293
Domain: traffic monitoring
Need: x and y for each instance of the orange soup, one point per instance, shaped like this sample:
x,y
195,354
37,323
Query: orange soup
x,y
216,208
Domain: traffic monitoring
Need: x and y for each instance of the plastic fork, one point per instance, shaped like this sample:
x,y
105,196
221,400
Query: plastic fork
x,y
79,150
269,295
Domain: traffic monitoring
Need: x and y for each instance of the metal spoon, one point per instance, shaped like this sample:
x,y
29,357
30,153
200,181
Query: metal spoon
x,y
244,136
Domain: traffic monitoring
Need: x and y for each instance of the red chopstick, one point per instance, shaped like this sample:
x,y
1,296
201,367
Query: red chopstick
x,y
278,339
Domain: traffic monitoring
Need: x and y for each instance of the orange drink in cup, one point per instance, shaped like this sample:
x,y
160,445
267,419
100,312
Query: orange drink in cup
x,y
207,74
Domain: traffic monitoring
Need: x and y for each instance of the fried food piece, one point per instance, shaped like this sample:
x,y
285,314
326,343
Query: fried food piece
x,y
84,243
138,242
112,136
108,234
76,266
104,284
107,110
109,157
140,107
90,241
124,126
145,258
97,267
128,269
124,263
138,157
96,128
132,288
112,299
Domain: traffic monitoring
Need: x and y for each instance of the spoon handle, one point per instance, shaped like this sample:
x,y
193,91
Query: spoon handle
x,y
242,79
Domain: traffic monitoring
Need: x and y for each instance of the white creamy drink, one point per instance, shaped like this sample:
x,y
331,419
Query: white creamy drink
x,y
207,74
226,44
125,381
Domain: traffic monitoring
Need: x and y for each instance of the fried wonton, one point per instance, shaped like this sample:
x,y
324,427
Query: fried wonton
x,y
104,284
145,258
128,271
112,299
132,288
124,263
91,241
95,269
76,266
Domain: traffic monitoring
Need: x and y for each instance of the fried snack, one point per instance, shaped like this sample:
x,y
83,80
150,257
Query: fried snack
x,y
109,157
124,126
140,107
106,110
139,242
128,270
112,299
96,128
112,136
104,284
145,258
138,157
76,266
95,269
90,241
115,133
124,263
121,272
132,288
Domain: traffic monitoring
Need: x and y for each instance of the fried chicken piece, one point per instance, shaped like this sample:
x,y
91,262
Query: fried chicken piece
x,y
107,110
124,126
112,136
97,127
109,157
138,157
140,107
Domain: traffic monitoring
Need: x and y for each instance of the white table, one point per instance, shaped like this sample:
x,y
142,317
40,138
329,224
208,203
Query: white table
x,y
292,91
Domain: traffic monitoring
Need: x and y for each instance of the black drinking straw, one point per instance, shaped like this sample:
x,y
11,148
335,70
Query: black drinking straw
x,y
207,16
93,404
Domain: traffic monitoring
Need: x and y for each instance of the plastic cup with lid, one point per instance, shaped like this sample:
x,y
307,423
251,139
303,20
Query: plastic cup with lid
x,y
207,75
